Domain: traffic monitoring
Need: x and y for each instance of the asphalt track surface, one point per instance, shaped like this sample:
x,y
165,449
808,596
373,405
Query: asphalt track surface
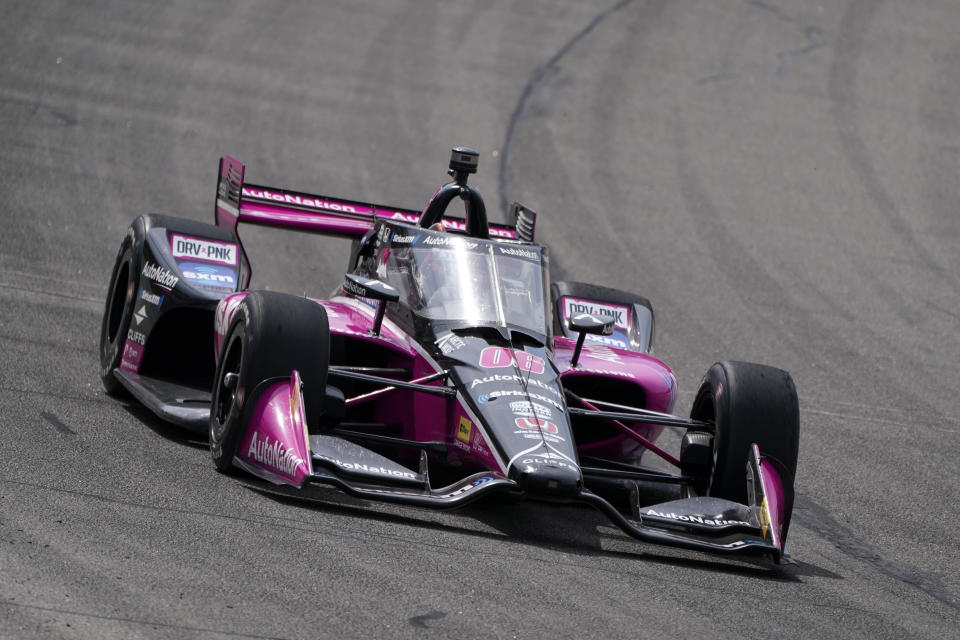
x,y
779,178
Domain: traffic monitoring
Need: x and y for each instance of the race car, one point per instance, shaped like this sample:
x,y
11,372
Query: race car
x,y
445,368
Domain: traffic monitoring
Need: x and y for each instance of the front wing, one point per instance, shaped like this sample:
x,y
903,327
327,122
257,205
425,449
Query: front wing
x,y
278,449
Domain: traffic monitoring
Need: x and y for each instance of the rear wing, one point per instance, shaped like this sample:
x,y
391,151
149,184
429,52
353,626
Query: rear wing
x,y
268,206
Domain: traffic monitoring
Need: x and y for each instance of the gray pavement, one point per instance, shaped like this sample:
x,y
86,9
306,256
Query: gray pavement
x,y
780,179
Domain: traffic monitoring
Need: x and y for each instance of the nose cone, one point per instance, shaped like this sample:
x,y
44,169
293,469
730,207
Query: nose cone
x,y
554,480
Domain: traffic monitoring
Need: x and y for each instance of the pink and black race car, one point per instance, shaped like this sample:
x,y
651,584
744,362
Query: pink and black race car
x,y
447,367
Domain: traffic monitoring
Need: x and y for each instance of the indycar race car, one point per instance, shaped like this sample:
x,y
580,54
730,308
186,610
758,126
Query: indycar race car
x,y
446,367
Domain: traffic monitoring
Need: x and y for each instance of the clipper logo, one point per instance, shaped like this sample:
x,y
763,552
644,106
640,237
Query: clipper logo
x,y
161,276
200,249
275,455
575,306
698,519
551,459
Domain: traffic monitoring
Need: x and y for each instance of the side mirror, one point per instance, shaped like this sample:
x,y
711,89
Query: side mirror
x,y
374,289
585,323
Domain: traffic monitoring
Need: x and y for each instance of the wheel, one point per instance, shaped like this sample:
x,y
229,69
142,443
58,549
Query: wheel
x,y
121,298
747,403
270,335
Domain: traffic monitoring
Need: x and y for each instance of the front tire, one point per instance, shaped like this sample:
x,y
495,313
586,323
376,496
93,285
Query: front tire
x,y
747,403
271,334
121,298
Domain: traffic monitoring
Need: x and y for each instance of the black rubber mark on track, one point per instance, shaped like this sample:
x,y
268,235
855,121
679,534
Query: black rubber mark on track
x,y
812,516
420,621
193,631
535,79
55,421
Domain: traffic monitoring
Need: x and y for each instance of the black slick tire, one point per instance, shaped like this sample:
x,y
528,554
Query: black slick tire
x,y
121,298
270,335
748,403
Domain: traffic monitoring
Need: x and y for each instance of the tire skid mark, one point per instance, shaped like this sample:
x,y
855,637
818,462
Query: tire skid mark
x,y
140,622
536,78
57,424
815,518
55,294
420,621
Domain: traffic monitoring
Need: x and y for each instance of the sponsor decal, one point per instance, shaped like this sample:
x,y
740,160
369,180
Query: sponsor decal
x,y
204,250
300,201
536,424
551,459
456,225
155,300
493,395
137,337
450,342
499,357
764,518
209,275
132,353
449,241
360,467
530,409
698,519
399,239
161,276
463,430
354,288
140,314
518,379
474,484
519,253
601,352
273,455
608,372
609,341
620,315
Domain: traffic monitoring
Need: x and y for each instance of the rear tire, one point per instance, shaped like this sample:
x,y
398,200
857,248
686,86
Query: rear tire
x,y
271,334
748,403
